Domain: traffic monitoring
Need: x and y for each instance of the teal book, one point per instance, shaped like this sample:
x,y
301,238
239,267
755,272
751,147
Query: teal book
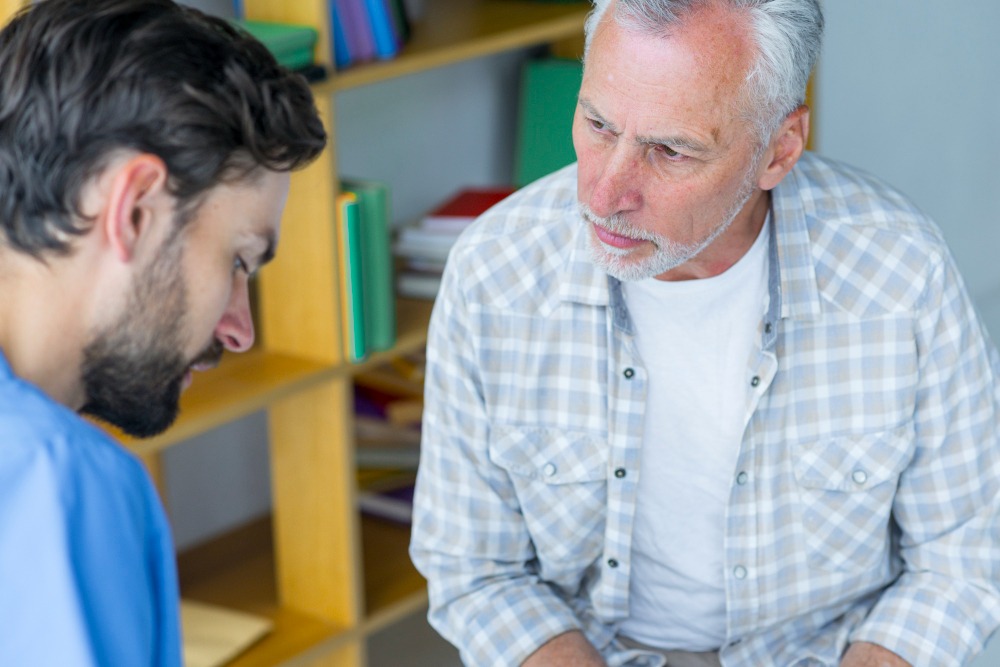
x,y
549,88
351,291
376,262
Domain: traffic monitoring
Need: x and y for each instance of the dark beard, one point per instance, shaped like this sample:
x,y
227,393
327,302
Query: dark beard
x,y
138,393
132,372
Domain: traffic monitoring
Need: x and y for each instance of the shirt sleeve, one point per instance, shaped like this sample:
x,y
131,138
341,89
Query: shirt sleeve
x,y
947,508
469,538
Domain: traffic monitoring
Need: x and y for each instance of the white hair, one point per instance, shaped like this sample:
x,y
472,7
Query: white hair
x,y
788,35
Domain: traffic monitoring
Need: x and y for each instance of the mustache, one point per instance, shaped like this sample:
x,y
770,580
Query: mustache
x,y
617,224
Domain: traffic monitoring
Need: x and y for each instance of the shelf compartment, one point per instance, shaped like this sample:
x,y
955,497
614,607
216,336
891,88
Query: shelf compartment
x,y
237,570
450,31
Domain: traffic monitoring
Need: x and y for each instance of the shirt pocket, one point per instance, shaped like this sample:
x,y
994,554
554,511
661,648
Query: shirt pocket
x,y
847,486
560,478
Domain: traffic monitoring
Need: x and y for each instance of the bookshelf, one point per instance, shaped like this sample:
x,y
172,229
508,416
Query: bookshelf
x,y
325,576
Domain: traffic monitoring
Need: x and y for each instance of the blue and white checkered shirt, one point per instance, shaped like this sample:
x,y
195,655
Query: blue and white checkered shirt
x,y
865,503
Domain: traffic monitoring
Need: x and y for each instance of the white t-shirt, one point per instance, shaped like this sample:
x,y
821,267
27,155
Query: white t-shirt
x,y
695,338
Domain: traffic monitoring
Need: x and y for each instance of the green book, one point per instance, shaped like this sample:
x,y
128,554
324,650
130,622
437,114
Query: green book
x,y
352,296
376,262
549,88
291,45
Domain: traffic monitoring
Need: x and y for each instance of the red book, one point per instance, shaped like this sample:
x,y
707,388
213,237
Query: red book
x,y
455,214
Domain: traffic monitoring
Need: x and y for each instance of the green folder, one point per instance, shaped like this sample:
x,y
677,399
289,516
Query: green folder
x,y
549,88
376,262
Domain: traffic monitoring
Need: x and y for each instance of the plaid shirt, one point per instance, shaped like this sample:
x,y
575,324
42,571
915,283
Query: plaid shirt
x,y
865,500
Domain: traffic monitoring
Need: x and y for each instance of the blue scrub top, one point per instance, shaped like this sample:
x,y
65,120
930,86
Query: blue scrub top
x,y
87,568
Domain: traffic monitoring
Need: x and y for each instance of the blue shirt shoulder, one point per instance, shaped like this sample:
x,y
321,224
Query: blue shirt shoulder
x,y
86,558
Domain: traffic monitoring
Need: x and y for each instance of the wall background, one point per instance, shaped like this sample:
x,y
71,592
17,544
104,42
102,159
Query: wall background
x,y
906,90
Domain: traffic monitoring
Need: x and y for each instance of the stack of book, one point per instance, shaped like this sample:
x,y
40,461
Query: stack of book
x,y
368,300
367,30
423,248
293,46
388,408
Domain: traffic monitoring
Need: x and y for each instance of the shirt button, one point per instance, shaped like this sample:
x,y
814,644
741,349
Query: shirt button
x,y
740,572
549,469
859,476
742,478
755,380
619,473
612,563
629,373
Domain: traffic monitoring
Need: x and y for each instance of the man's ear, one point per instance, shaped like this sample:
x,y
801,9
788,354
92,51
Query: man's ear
x,y
786,148
137,198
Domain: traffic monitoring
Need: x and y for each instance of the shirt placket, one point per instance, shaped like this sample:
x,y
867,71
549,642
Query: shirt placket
x,y
743,584
627,384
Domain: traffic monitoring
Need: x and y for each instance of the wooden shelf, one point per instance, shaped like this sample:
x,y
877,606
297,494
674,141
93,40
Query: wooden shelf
x,y
451,31
241,385
236,570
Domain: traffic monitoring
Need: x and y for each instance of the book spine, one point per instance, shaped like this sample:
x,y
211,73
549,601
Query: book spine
x,y
360,41
341,52
349,237
386,43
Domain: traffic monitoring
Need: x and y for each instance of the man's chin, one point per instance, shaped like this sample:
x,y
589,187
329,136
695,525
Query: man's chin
x,y
138,419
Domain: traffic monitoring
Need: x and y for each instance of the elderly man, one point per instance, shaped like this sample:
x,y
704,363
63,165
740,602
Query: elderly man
x,y
144,159
702,398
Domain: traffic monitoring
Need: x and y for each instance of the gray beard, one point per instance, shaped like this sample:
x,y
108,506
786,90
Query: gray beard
x,y
667,254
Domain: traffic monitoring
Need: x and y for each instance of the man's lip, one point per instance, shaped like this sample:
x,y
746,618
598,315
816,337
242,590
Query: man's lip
x,y
203,366
615,240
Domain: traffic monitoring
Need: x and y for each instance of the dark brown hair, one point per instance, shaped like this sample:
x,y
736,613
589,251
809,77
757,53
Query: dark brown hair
x,y
80,80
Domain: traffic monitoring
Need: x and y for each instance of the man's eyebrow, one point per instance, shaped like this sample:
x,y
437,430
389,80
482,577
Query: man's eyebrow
x,y
596,115
686,143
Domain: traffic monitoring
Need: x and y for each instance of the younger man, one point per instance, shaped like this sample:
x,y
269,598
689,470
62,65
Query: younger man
x,y
144,159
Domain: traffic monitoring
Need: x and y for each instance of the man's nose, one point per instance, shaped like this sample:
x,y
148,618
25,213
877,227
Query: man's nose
x,y
235,328
617,186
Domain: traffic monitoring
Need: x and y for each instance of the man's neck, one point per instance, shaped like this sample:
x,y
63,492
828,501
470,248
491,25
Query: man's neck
x,y
40,324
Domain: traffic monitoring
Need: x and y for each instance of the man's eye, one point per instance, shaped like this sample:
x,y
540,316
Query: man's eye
x,y
667,151
596,124
240,265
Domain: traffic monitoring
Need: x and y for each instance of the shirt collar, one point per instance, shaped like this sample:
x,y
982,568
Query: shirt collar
x,y
792,251
584,281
